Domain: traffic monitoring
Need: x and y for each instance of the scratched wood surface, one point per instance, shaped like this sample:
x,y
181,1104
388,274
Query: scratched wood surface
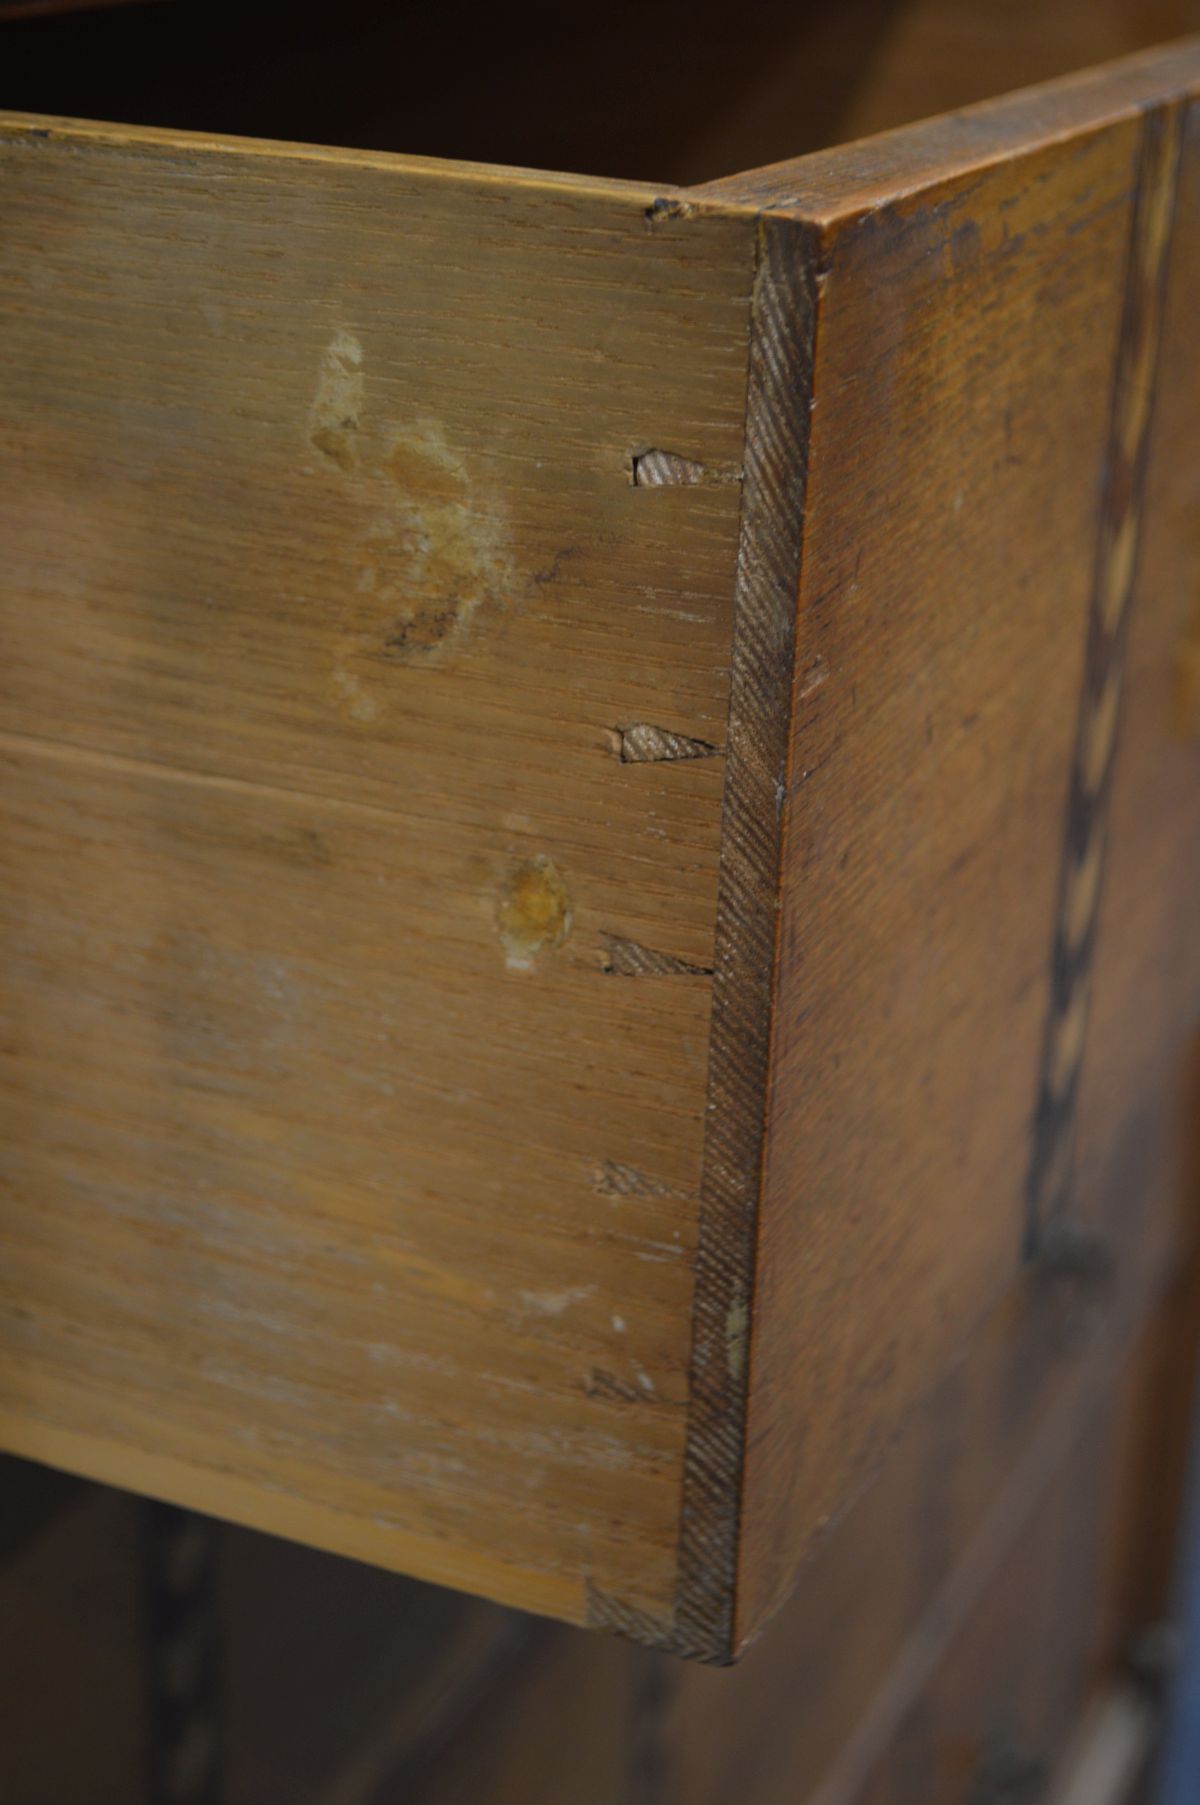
x,y
527,1054
990,292
355,997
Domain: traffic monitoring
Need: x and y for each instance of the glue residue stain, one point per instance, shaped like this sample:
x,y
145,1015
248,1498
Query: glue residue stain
x,y
423,535
533,912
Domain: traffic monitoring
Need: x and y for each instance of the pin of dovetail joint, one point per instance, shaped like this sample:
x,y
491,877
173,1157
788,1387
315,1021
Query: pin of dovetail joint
x,y
643,744
657,469
1075,1272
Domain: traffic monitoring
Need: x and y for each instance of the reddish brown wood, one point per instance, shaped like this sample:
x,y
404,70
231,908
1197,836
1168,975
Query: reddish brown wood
x,y
989,296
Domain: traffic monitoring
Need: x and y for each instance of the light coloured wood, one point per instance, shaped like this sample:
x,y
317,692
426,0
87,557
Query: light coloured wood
x,y
345,1188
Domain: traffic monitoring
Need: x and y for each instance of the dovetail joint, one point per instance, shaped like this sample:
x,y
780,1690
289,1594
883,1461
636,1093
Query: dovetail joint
x,y
655,469
644,744
628,959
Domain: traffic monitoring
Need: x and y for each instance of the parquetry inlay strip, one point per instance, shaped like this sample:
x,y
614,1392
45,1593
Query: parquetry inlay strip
x,y
1100,708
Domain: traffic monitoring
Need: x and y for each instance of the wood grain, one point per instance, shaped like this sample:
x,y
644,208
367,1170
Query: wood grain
x,y
1139,1090
988,293
535,737
326,588
1049,1184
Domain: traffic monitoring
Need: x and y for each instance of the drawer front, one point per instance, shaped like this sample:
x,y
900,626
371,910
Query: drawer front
x,y
991,802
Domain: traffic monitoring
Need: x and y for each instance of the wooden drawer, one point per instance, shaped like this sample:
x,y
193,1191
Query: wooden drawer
x,y
572,753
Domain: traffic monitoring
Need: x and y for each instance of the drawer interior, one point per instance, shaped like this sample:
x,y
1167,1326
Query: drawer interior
x,y
666,91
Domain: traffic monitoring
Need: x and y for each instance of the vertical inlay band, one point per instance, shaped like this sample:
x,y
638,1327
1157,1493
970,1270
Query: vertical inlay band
x,y
1081,878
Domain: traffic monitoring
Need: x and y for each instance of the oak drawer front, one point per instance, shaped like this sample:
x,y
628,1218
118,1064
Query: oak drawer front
x,y
542,747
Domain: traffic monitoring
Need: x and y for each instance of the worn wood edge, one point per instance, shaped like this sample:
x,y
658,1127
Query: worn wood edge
x,y
821,188
657,202
295,1519
778,397
828,186
1114,579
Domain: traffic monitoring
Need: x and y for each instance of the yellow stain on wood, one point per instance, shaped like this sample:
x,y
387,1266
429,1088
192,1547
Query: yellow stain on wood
x,y
429,544
533,912
440,546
